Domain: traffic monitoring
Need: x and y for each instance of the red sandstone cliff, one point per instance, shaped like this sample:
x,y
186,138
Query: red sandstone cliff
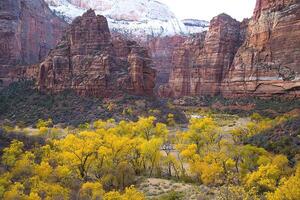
x,y
28,30
271,6
199,64
268,63
91,62
258,57
161,50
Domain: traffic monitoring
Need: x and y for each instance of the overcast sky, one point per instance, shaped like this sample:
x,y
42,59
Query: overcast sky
x,y
207,9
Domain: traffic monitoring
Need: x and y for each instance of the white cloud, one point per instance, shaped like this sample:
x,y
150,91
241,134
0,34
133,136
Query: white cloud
x,y
207,9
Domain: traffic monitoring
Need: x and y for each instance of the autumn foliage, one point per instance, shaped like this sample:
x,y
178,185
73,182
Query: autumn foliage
x,y
104,159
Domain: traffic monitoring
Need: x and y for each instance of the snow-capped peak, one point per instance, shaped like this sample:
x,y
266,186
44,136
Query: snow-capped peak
x,y
134,18
137,18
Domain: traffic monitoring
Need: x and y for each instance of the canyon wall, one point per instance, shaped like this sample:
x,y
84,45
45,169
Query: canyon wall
x,y
199,64
257,57
161,50
91,62
268,63
28,30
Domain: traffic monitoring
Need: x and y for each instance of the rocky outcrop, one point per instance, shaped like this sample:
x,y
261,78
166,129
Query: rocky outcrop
x,y
268,63
200,63
28,30
89,61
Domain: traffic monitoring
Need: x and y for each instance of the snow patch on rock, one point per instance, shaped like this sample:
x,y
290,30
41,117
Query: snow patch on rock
x,y
135,18
195,26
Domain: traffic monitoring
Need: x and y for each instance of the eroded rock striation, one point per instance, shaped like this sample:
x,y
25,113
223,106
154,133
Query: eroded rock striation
x,y
28,30
199,64
268,63
257,57
89,61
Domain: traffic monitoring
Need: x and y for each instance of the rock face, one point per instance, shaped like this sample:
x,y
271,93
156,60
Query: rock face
x,y
89,61
28,30
268,63
271,6
199,64
257,57
161,50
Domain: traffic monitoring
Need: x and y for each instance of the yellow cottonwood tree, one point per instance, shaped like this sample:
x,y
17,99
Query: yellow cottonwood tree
x,y
79,151
91,191
267,177
130,194
202,132
289,188
12,153
151,154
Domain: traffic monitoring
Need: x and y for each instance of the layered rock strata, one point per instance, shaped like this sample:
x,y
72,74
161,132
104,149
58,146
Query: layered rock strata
x,y
257,57
28,30
199,64
89,61
268,63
